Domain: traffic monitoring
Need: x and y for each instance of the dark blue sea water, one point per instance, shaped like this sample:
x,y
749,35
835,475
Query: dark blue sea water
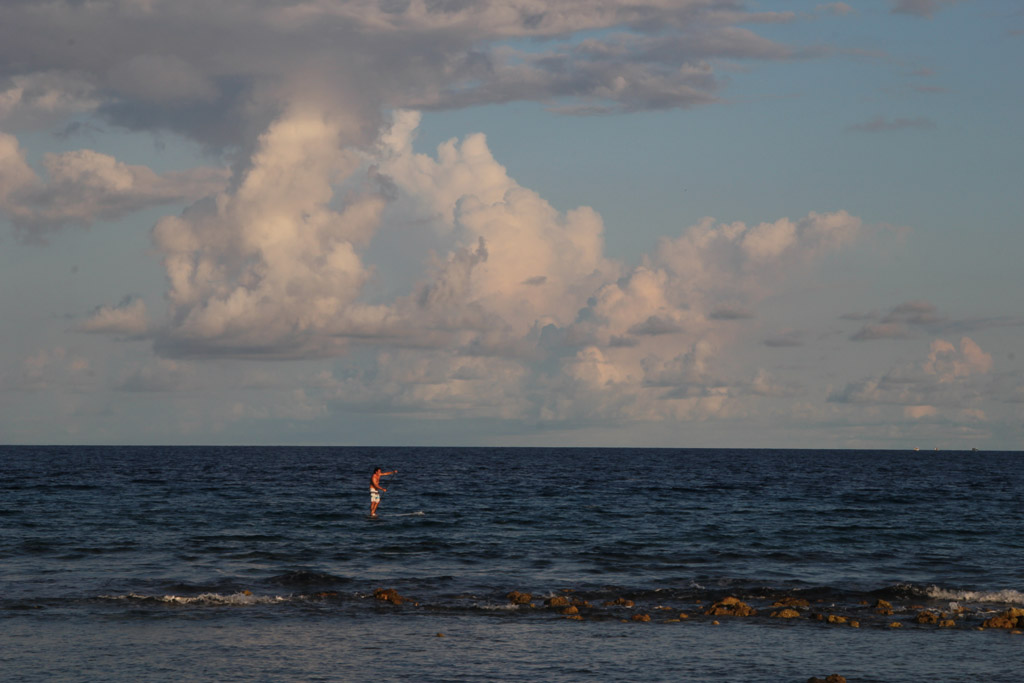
x,y
162,563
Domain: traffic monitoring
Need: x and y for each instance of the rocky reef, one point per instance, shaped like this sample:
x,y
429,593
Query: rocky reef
x,y
598,605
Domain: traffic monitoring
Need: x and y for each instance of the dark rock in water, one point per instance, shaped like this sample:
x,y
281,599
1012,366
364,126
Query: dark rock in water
x,y
388,595
785,614
557,601
517,598
571,610
1011,619
581,603
883,607
791,602
927,617
831,678
641,617
732,607
619,602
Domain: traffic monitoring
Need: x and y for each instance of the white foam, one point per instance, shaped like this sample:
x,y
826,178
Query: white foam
x,y
1003,597
216,599
243,599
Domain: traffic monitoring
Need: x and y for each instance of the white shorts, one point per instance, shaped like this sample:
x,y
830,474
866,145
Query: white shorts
x,y
374,496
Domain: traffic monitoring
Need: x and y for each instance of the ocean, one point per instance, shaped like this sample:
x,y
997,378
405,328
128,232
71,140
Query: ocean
x,y
262,564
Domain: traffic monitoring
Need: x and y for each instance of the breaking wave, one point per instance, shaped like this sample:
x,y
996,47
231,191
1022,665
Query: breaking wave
x,y
241,599
1002,597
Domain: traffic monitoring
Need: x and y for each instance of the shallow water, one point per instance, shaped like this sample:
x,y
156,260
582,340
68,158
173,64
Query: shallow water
x,y
250,563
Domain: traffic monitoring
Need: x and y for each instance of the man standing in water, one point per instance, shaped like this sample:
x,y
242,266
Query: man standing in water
x,y
376,489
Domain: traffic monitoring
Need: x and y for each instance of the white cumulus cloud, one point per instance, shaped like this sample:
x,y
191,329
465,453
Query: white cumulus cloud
x,y
127,318
84,186
951,381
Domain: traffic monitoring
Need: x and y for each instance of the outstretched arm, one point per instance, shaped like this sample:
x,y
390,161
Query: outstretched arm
x,y
388,474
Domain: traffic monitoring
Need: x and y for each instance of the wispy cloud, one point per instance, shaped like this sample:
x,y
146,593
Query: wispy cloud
x,y
785,339
729,312
899,322
921,8
882,331
128,319
975,324
839,8
905,320
914,313
882,124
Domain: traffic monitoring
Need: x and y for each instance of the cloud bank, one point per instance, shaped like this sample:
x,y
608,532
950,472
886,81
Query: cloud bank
x,y
950,383
518,313
221,73
234,75
507,307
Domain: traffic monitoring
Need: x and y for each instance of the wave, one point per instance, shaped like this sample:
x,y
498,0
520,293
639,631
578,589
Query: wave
x,y
1001,597
496,607
241,599
903,605
307,578
319,586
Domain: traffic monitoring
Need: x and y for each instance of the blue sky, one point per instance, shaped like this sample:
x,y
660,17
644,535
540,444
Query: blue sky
x,y
578,222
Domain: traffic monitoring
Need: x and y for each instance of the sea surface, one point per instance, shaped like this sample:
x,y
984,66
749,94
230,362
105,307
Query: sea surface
x,y
259,563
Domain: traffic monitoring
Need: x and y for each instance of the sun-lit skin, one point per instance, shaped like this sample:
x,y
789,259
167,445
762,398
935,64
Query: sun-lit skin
x,y
574,222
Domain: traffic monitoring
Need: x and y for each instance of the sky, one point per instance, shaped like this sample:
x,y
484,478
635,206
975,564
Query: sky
x,y
657,223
